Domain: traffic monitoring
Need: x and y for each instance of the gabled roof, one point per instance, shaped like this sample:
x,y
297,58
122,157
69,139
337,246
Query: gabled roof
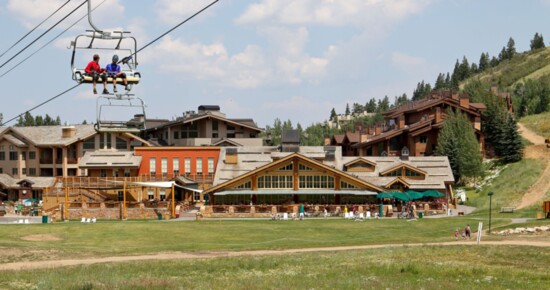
x,y
16,142
358,160
354,137
403,165
247,123
398,180
37,181
224,141
303,159
52,135
110,159
339,138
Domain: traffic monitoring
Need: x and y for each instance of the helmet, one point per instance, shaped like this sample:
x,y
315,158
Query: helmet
x,y
115,58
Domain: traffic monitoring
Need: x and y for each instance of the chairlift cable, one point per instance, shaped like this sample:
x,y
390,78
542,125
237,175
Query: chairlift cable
x,y
43,103
43,46
17,42
175,27
49,29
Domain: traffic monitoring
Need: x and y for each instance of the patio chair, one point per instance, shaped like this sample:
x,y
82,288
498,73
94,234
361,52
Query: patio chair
x,y
26,221
88,220
361,216
285,216
368,214
83,220
93,220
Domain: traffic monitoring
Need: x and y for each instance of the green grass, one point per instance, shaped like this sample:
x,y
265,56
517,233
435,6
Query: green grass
x,y
508,189
429,267
134,238
539,123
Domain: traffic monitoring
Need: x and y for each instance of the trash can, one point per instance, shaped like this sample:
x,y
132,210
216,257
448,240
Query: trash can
x,y
35,212
380,210
159,216
44,219
420,214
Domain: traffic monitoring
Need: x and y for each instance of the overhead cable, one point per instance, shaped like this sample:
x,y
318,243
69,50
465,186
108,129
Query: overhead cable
x,y
43,46
42,34
17,42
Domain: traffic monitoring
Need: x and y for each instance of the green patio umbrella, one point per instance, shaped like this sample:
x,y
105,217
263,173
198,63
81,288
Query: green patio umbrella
x,y
384,195
433,193
414,194
401,196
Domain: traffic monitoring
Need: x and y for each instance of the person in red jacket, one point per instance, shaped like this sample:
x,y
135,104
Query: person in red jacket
x,y
95,71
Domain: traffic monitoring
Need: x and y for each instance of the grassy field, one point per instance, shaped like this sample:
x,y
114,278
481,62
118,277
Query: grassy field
x,y
429,267
76,240
539,124
506,193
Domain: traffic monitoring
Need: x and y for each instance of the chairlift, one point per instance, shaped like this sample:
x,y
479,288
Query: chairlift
x,y
117,38
127,100
123,44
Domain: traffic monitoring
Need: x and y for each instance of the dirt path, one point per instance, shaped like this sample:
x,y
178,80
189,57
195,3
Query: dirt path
x,y
211,255
537,151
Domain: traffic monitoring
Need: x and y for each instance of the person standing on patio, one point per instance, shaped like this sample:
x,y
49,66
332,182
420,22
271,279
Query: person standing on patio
x,y
301,211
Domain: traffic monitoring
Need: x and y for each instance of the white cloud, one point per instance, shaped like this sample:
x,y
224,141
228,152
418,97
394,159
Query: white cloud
x,y
330,12
407,62
31,12
172,12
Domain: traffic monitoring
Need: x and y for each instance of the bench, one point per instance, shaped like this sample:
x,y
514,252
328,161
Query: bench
x,y
507,209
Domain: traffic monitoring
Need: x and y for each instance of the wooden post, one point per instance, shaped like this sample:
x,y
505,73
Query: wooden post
x,y
66,209
123,201
173,211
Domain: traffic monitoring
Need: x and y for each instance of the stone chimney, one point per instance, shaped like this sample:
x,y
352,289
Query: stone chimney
x,y
477,123
68,132
454,95
438,117
326,141
377,130
370,130
231,155
401,122
363,138
464,101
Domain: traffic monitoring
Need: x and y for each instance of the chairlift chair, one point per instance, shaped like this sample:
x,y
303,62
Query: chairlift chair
x,y
127,100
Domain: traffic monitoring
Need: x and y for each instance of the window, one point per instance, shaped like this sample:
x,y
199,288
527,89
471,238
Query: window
x,y
14,171
162,195
105,141
397,172
24,171
150,194
120,195
187,165
103,172
302,167
89,143
1,170
12,147
32,171
13,155
409,172
176,135
121,144
316,181
210,165
164,165
176,166
246,185
214,125
289,167
423,139
32,155
115,173
126,172
197,196
24,155
345,185
199,165
2,155
153,166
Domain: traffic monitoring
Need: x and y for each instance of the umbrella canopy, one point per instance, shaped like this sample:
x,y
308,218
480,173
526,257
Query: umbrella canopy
x,y
433,193
384,195
414,194
401,196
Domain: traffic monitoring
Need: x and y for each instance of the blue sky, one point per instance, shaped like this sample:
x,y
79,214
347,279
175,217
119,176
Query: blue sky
x,y
263,59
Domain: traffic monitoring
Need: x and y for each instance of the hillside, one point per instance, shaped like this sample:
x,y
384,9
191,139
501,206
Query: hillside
x,y
526,65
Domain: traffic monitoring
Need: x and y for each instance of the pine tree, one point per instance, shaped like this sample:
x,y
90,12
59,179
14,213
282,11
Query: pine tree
x,y
510,48
455,77
537,42
348,112
439,82
333,114
371,106
513,146
483,62
457,140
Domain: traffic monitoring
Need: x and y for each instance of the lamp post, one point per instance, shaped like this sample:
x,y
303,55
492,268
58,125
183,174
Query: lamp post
x,y
490,194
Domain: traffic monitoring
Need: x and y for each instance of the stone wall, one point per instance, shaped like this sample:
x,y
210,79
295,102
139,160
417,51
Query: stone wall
x,y
104,212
